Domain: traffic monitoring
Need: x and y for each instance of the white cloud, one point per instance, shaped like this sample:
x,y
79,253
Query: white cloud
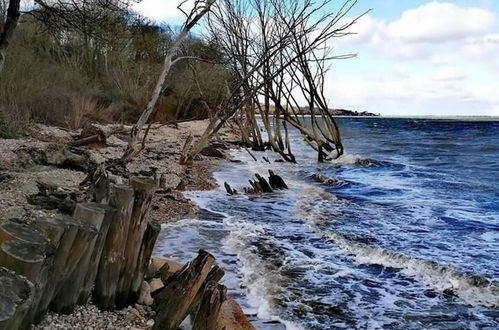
x,y
418,32
447,73
482,48
392,93
440,21
450,60
162,10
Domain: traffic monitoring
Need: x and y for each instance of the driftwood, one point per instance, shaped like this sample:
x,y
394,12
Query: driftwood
x,y
113,255
173,302
52,197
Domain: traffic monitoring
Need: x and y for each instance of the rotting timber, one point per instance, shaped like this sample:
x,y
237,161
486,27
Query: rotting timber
x,y
101,251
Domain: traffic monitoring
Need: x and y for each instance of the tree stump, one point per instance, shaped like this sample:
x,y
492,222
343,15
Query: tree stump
x,y
214,276
68,237
173,302
144,190
91,218
113,255
264,185
93,266
207,315
146,248
276,181
16,298
23,249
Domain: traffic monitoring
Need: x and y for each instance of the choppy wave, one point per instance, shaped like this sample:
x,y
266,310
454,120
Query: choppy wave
x,y
330,181
314,207
355,160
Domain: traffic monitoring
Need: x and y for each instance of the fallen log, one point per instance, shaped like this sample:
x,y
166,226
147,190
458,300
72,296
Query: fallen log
x,y
174,300
207,315
113,255
51,197
16,298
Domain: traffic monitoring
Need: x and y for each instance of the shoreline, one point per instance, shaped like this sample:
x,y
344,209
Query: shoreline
x,y
24,163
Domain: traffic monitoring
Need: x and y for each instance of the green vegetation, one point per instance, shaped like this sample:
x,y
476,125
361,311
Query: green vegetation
x,y
94,60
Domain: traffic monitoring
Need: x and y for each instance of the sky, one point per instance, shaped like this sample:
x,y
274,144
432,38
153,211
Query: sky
x,y
415,57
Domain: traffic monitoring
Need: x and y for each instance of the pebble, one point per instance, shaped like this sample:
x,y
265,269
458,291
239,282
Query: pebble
x,y
91,318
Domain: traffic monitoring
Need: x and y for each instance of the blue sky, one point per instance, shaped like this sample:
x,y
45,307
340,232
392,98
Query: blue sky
x,y
414,57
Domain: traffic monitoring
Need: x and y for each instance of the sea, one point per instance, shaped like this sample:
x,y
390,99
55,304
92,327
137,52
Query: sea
x,y
404,233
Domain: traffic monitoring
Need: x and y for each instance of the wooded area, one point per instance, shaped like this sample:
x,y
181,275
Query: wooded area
x,y
70,62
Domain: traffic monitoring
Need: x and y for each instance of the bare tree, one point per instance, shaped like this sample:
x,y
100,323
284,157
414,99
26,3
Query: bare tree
x,y
278,48
8,29
201,8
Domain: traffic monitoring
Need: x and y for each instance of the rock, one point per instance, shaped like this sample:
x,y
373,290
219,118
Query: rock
x,y
168,269
232,317
211,151
140,309
155,265
51,134
136,313
162,268
155,284
5,176
145,295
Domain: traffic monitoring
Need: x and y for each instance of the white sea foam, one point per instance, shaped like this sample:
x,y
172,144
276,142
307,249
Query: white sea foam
x,y
262,285
473,290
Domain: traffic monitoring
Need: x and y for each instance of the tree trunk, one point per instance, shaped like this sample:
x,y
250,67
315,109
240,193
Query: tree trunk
x,y
8,29
193,19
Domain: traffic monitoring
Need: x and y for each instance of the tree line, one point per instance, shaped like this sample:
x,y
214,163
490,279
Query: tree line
x,y
249,62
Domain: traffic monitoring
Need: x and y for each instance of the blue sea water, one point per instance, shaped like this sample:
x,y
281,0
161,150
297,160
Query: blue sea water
x,y
407,237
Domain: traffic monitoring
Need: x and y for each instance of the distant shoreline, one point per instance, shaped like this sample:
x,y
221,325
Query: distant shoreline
x,y
453,118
